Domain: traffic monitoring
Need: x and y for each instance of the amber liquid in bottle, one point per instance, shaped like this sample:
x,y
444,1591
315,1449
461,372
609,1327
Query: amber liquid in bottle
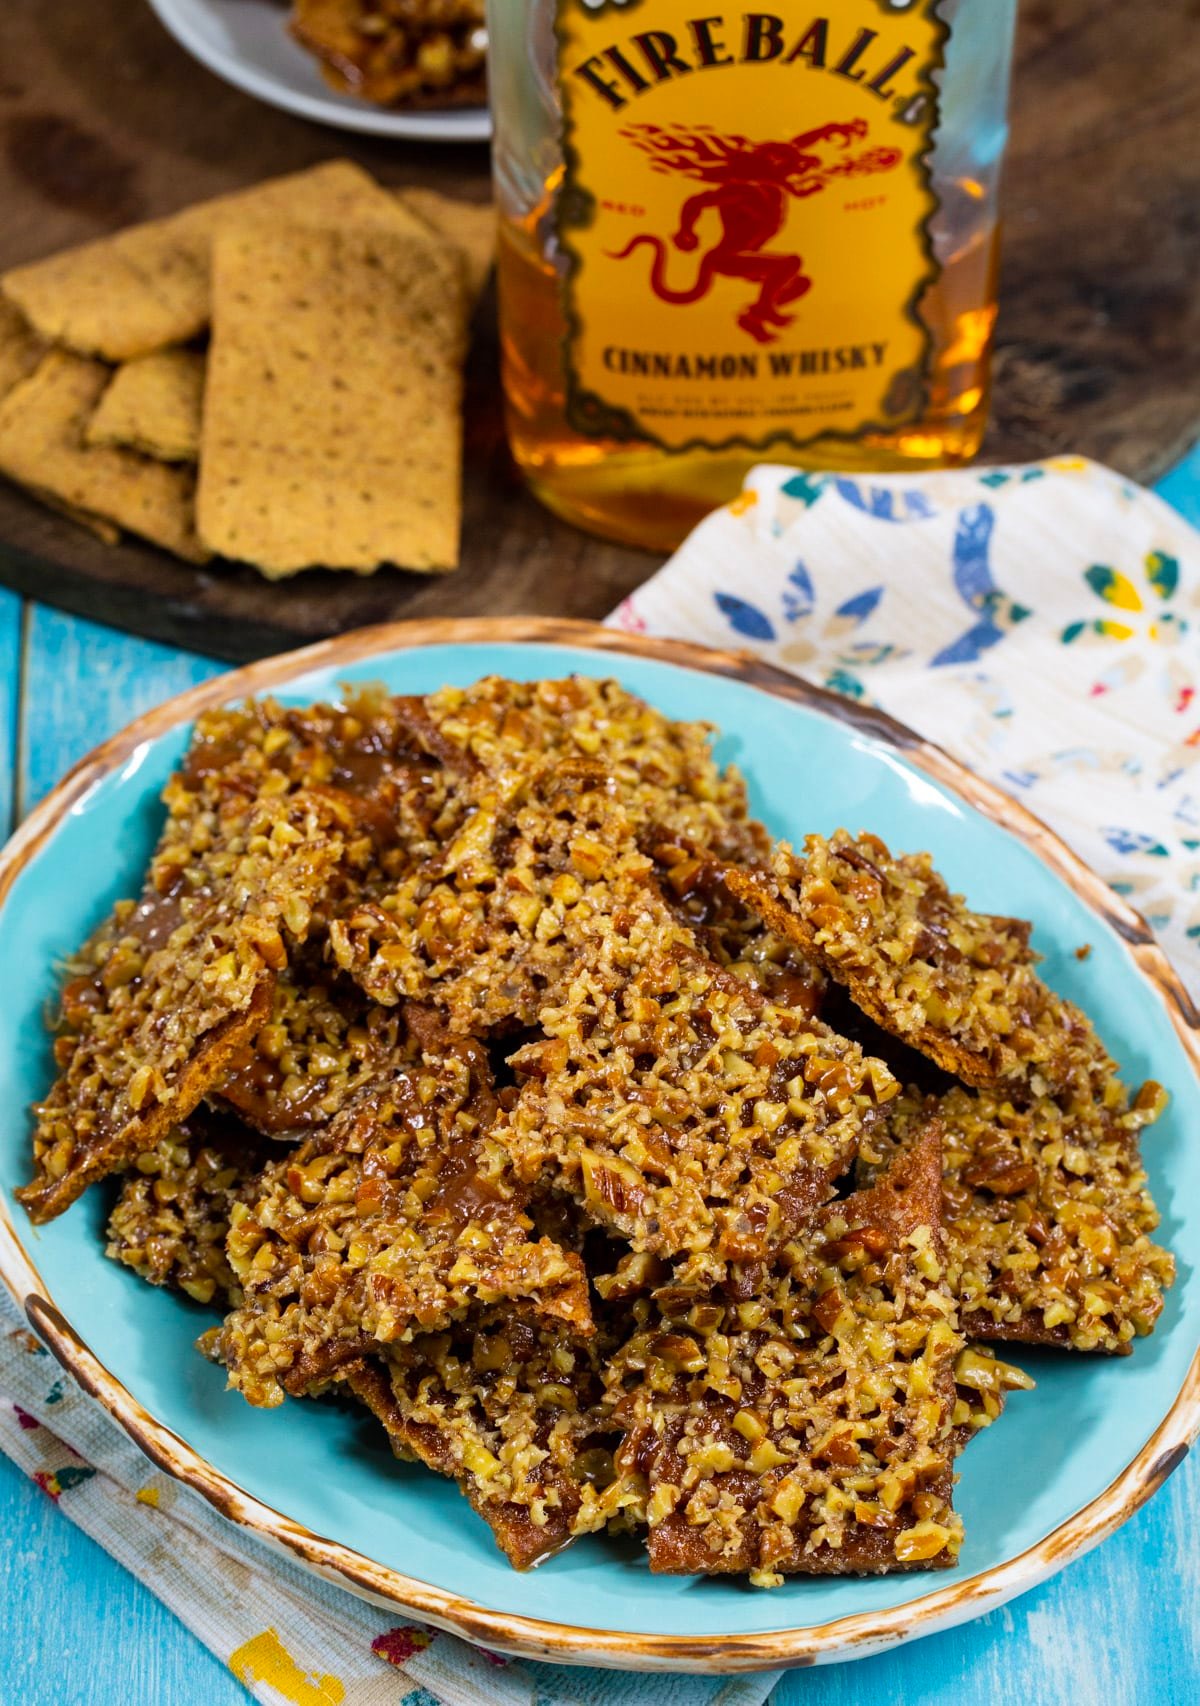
x,y
641,495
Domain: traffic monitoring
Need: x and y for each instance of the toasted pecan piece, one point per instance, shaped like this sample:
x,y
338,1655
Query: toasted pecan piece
x,y
809,1428
958,985
982,1383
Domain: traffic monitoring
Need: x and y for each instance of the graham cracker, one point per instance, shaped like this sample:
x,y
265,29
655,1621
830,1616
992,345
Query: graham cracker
x,y
332,421
154,404
150,285
20,347
468,226
42,447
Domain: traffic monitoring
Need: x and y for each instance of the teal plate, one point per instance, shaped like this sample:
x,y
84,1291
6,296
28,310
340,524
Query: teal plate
x,y
1065,1465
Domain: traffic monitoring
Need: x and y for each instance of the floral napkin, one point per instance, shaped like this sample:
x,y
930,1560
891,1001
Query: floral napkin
x,y
1043,624
290,1637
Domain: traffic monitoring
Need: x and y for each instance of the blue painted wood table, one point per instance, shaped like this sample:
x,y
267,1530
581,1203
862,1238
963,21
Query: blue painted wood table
x,y
1119,1628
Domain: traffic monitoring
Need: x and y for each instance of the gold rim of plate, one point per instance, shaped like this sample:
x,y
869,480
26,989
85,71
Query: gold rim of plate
x,y
530,1637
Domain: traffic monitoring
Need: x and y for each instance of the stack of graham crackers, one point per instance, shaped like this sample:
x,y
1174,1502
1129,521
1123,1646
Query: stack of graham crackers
x,y
273,377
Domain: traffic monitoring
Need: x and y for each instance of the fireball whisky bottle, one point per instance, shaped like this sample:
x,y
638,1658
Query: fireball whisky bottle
x,y
730,235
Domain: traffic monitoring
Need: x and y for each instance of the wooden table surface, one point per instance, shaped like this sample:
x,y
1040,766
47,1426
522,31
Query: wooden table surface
x,y
104,120
1097,353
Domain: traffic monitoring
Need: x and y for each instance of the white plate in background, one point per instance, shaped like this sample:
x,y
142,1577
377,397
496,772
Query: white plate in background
x,y
246,42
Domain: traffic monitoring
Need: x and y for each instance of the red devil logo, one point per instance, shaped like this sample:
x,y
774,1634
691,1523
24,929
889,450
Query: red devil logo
x,y
750,185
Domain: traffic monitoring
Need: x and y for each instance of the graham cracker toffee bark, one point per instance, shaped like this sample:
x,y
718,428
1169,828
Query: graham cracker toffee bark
x,y
1047,1212
695,885
663,772
321,1045
515,1415
411,53
560,778
171,1220
808,1429
273,813
958,985
387,1225
489,930
357,751
692,1116
174,985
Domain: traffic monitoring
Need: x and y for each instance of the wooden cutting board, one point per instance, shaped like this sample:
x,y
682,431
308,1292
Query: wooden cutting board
x,y
104,120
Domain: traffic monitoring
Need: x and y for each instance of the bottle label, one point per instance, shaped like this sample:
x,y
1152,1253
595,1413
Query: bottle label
x,y
744,217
